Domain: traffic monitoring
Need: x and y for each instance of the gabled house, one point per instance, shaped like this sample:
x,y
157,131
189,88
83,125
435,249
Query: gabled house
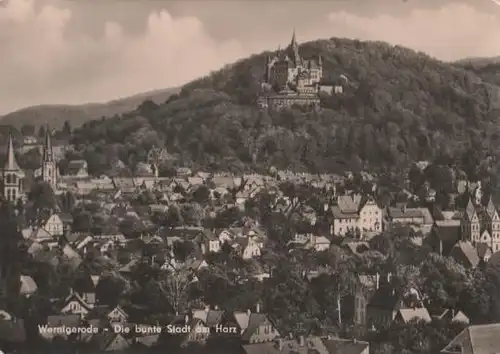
x,y
408,315
53,225
246,247
254,327
75,305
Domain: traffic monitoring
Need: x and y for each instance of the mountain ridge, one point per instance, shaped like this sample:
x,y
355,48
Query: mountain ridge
x,y
56,114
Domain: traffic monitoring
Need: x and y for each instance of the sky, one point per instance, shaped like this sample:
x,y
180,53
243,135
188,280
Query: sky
x,y
79,51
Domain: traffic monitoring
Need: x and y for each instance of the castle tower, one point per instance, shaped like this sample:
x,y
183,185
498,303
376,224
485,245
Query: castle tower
x,y
49,169
12,175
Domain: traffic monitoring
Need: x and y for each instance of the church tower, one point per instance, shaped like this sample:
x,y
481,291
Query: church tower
x,y
49,169
12,175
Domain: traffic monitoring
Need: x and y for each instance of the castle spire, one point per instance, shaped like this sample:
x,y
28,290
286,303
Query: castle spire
x,y
47,146
11,164
293,50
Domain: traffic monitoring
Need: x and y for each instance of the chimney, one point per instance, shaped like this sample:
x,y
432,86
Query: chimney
x,y
301,341
216,307
403,208
377,280
207,308
249,312
355,340
257,308
280,344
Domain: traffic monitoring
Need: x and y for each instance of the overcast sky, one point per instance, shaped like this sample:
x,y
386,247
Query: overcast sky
x,y
77,51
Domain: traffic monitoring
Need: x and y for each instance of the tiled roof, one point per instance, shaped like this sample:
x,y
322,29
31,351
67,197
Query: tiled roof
x,y
468,251
477,339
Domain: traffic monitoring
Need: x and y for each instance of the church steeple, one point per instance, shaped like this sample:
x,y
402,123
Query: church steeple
x,y
48,155
12,175
11,164
49,169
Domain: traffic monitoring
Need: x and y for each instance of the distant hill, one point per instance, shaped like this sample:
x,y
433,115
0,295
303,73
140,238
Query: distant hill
x,y
55,115
406,106
487,69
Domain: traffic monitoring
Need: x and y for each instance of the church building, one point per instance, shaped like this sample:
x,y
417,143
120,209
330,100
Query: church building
x,y
12,175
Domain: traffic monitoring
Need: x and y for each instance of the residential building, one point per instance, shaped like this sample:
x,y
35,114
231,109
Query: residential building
x,y
355,214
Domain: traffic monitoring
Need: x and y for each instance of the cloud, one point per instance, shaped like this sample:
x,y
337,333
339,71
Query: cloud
x,y
40,63
450,32
55,52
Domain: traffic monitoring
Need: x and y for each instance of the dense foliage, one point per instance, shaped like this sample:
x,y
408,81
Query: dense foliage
x,y
400,106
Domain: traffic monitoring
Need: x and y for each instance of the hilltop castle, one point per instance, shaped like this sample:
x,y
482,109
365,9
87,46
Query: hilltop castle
x,y
291,79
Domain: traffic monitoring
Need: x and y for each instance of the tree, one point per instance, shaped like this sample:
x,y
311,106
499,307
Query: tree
x,y
110,288
66,130
174,216
28,130
11,255
41,132
192,214
42,196
175,287
201,195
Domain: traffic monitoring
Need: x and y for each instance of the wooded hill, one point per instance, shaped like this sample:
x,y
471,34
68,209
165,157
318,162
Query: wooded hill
x,y
400,106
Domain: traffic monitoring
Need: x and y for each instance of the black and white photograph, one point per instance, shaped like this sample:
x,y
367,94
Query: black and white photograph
x,y
250,176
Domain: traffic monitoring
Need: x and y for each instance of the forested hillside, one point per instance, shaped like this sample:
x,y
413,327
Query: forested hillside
x,y
488,70
401,106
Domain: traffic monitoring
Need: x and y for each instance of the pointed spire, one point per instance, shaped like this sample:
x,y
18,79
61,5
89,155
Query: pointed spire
x,y
471,209
294,39
47,146
293,50
11,164
490,209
